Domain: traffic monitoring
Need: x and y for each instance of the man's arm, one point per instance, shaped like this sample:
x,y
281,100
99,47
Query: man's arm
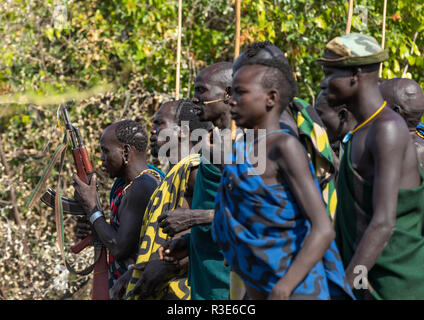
x,y
182,219
121,243
387,145
131,213
292,162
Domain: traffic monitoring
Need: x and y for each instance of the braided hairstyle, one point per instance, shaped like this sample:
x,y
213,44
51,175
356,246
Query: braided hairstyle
x,y
133,133
279,74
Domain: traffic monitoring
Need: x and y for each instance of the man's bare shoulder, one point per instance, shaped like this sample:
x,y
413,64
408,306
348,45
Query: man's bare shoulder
x,y
141,187
285,147
192,179
389,130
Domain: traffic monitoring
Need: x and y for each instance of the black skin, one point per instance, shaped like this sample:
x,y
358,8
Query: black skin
x,y
164,118
382,152
122,243
157,272
338,122
210,85
406,97
254,107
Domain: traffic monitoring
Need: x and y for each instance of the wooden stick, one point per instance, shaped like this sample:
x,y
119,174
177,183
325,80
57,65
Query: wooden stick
x,y
180,15
383,37
237,37
213,101
349,17
236,54
412,50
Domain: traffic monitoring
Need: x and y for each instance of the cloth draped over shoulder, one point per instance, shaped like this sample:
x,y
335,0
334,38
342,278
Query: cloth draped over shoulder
x,y
260,229
209,278
313,136
118,268
168,196
398,272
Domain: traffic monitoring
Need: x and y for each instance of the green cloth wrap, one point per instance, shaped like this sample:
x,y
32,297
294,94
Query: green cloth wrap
x,y
398,272
208,277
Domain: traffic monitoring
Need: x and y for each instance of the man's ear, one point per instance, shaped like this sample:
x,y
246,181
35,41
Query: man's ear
x,y
355,76
126,152
343,114
397,109
272,99
228,93
127,149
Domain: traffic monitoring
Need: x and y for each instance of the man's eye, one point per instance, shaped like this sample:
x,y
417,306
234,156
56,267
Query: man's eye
x,y
200,89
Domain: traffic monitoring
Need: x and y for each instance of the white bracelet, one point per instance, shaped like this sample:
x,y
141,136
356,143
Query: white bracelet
x,y
96,215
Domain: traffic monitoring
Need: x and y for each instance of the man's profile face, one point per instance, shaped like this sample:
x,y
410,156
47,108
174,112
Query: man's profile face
x,y
207,88
112,153
164,118
248,100
329,117
337,85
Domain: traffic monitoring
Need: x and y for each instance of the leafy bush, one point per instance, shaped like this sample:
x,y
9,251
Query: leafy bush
x,y
55,47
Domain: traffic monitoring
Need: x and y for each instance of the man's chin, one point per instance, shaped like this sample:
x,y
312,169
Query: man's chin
x,y
154,154
333,102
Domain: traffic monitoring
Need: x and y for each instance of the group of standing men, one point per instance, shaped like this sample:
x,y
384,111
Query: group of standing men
x,y
337,212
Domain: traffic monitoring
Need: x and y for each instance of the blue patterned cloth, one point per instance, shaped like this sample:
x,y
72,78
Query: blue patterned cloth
x,y
260,229
420,128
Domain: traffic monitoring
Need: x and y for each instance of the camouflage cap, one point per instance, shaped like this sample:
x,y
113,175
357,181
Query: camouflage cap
x,y
353,49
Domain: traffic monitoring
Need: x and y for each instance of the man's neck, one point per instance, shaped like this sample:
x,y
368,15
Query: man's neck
x,y
133,169
366,103
223,122
269,123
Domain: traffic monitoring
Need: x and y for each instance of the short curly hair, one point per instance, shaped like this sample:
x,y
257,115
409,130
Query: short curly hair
x,y
265,53
133,133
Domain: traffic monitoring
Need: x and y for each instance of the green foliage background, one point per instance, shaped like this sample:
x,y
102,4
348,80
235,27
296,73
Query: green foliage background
x,y
133,44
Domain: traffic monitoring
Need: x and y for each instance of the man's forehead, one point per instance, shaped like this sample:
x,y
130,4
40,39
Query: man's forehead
x,y
108,135
212,76
166,109
249,73
206,80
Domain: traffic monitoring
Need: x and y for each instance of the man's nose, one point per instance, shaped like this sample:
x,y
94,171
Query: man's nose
x,y
153,137
324,84
195,99
232,102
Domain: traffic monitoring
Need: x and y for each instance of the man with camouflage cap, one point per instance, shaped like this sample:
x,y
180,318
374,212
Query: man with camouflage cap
x,y
381,185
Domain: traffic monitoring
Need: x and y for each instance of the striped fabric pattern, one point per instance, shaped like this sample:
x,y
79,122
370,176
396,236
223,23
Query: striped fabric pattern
x,y
168,196
314,137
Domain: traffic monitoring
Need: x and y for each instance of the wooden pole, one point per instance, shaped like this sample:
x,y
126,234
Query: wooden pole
x,y
180,18
349,17
236,54
237,40
412,50
383,37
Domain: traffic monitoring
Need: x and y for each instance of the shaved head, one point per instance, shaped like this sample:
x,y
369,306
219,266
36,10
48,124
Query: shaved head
x,y
220,72
406,97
